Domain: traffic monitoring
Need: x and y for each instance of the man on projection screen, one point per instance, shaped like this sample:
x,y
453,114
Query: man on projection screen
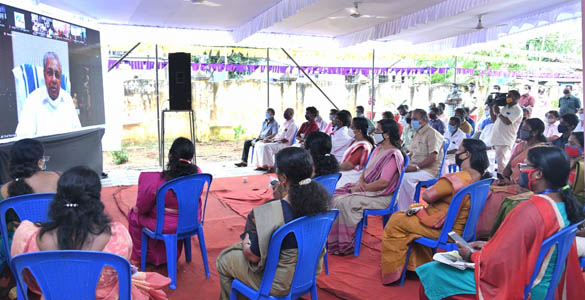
x,y
48,110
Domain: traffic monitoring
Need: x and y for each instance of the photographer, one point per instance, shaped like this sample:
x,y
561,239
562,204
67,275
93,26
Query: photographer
x,y
506,126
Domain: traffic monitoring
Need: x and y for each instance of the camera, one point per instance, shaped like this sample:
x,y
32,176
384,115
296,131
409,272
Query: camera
x,y
498,99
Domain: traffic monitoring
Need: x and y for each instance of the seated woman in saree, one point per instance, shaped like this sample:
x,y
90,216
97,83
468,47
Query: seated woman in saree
x,y
504,265
402,229
245,260
531,134
144,213
355,157
78,222
373,190
324,163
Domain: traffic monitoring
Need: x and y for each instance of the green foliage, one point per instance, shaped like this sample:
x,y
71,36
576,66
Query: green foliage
x,y
239,131
233,58
119,157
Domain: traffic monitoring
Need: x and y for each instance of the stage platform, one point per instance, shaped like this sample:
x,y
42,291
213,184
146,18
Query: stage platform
x,y
230,199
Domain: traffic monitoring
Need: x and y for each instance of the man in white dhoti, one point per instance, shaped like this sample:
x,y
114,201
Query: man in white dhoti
x,y
342,136
264,151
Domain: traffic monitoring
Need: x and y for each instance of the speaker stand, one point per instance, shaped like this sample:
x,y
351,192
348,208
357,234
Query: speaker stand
x,y
191,127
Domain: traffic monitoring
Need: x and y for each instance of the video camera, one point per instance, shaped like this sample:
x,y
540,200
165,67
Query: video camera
x,y
499,99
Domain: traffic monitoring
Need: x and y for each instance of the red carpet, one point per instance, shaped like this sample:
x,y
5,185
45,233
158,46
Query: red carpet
x,y
229,202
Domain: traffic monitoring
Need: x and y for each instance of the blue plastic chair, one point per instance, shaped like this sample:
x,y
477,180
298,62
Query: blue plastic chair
x,y
478,193
582,263
70,274
311,234
188,190
431,182
563,241
31,207
369,156
329,182
385,213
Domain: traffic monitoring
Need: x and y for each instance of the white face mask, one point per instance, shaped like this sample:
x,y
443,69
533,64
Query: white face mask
x,y
378,138
351,133
551,120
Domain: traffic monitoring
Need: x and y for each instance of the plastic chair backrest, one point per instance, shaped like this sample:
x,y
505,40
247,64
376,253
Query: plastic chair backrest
x,y
563,241
31,207
311,234
393,202
72,273
369,156
478,193
188,190
294,139
328,181
445,149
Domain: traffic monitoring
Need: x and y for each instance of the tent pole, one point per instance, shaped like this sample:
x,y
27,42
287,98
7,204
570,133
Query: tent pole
x,y
123,56
372,98
157,104
455,72
267,77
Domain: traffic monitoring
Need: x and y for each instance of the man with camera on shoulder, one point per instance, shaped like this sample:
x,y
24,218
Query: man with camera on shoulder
x,y
506,126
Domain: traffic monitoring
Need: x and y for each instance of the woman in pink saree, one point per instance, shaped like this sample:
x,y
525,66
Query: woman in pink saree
x,y
372,191
78,222
356,155
144,213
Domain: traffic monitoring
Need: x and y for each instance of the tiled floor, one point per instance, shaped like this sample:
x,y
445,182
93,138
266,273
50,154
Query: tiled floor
x,y
217,169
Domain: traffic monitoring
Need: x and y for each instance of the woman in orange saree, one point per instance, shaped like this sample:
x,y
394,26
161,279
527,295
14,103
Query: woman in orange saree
x,y
531,134
402,229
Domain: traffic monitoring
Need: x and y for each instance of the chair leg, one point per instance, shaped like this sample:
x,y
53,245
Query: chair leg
x,y
171,247
417,193
203,250
403,276
187,244
326,263
234,294
143,252
314,292
357,243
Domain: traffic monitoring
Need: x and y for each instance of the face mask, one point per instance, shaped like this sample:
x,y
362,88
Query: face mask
x,y
351,133
566,92
451,128
526,180
563,128
573,151
415,124
551,120
378,138
286,117
487,113
524,134
331,117
335,127
525,91
454,90
359,115
268,116
307,117
458,159
433,116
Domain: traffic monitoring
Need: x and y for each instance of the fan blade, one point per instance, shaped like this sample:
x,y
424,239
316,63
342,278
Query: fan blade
x,y
207,3
337,17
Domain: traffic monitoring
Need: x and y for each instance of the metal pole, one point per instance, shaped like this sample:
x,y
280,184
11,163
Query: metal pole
x,y
157,104
267,77
455,72
373,86
124,56
309,77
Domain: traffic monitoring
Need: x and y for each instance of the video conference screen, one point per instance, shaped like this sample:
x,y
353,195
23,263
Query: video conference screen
x,y
50,75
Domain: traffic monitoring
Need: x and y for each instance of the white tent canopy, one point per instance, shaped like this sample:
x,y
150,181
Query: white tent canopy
x,y
306,23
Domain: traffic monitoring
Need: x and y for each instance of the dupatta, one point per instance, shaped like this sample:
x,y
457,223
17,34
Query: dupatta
x,y
353,148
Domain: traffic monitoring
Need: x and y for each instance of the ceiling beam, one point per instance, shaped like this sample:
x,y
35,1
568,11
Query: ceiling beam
x,y
273,15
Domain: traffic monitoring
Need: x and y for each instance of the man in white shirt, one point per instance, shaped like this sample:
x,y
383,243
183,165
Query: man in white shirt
x,y
506,128
454,135
342,137
48,110
551,129
322,124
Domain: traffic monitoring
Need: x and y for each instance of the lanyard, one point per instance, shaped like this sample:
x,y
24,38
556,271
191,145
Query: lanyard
x,y
549,191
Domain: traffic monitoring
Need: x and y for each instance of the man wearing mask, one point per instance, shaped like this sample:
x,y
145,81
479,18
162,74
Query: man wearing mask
x,y
268,131
342,137
506,128
566,127
330,127
465,126
359,112
322,124
435,122
403,111
264,150
454,135
309,126
426,154
551,131
569,104
407,133
453,101
526,100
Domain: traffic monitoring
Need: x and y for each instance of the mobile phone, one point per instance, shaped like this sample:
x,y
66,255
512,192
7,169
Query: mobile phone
x,y
457,238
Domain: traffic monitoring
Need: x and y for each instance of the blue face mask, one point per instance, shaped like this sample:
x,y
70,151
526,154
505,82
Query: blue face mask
x,y
524,134
267,116
451,128
487,113
415,124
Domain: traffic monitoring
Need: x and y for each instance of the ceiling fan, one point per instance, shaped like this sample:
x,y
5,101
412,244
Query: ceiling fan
x,y
204,2
355,13
480,26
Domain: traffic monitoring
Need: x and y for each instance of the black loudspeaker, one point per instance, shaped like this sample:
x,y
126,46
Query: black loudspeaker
x,y
180,81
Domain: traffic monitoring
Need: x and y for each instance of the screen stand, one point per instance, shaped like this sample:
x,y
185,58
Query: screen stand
x,y
191,127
